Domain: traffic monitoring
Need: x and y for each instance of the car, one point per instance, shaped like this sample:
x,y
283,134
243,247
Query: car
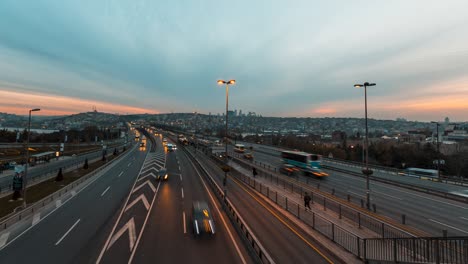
x,y
248,156
202,219
288,169
162,175
317,172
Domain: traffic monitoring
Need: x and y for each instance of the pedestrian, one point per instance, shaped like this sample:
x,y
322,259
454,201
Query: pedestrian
x,y
254,172
307,201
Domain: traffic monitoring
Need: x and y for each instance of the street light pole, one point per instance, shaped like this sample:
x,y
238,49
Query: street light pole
x,y
438,151
227,83
25,180
366,171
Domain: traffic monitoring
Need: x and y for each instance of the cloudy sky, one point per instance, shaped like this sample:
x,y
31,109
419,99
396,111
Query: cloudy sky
x,y
289,58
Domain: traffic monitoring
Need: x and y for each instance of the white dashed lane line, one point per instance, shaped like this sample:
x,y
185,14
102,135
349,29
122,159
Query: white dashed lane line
x,y
104,192
69,230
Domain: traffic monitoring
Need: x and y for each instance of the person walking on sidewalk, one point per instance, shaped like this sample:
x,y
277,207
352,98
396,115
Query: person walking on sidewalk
x,y
254,172
307,201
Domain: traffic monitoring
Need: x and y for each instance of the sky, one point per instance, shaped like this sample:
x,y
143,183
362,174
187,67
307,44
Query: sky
x,y
289,58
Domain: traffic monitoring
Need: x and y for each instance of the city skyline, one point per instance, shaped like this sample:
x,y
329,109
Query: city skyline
x,y
298,59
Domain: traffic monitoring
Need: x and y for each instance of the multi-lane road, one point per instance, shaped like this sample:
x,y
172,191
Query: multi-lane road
x,y
125,215
429,213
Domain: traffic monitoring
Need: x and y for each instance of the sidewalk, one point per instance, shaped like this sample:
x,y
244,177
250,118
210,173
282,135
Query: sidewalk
x,y
297,200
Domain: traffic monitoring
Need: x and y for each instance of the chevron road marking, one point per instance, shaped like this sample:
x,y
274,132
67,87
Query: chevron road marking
x,y
142,197
130,226
143,184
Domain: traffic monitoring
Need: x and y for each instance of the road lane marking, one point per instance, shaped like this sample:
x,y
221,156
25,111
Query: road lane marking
x,y
36,218
360,195
58,203
394,197
4,239
185,225
180,175
179,168
120,174
92,180
104,192
220,215
449,226
144,225
118,219
182,189
459,206
464,218
282,221
69,230
129,164
130,226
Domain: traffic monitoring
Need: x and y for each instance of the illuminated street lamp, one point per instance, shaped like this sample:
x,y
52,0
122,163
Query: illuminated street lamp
x,y
227,83
438,152
366,171
25,179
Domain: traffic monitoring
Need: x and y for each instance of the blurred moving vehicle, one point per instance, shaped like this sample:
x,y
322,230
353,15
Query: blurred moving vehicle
x,y
201,218
316,172
162,174
248,156
289,169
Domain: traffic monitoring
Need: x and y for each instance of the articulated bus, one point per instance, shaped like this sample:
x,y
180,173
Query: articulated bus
x,y
308,163
239,148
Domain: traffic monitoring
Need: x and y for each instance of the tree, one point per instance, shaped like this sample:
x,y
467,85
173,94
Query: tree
x,y
86,166
59,175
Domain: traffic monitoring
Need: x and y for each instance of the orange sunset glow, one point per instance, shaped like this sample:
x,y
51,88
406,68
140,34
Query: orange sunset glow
x,y
19,103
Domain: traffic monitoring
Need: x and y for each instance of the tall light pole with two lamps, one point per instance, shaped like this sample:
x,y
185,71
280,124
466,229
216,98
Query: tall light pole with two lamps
x,y
226,168
366,171
25,179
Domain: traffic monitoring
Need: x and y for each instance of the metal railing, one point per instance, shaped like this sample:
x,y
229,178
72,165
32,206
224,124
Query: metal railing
x,y
6,185
417,250
361,219
13,218
252,242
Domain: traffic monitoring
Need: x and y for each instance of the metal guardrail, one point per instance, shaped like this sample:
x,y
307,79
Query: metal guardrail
x,y
13,218
252,242
6,187
359,218
346,239
409,186
416,250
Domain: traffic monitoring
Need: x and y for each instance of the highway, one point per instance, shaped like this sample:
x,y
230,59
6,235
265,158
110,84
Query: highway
x,y
285,242
38,171
431,214
77,227
168,237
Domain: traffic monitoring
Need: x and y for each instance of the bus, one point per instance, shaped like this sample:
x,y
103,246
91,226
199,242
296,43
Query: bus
x,y
239,148
417,172
308,163
41,157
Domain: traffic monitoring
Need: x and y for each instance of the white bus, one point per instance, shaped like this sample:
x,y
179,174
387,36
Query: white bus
x,y
239,148
417,172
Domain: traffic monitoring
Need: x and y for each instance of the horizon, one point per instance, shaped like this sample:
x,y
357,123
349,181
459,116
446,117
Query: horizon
x,y
289,59
215,114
